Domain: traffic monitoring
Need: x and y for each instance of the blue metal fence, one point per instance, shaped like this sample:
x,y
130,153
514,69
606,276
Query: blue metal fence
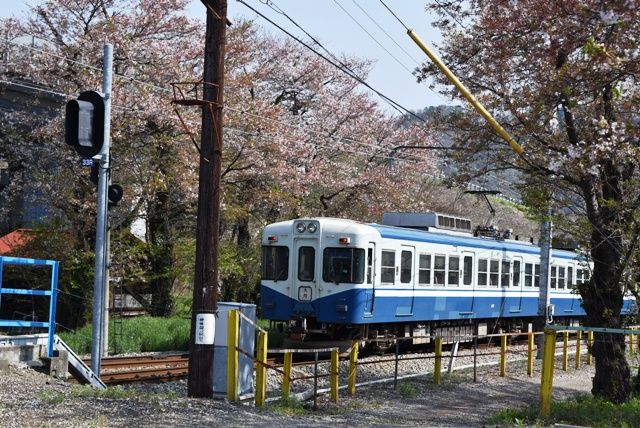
x,y
52,293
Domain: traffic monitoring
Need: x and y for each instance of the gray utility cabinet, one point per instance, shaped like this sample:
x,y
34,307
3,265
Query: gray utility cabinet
x,y
246,342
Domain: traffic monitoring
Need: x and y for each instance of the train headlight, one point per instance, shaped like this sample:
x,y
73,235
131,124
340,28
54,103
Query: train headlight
x,y
300,227
312,227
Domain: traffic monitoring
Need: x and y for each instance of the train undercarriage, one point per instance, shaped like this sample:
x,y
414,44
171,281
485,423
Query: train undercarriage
x,y
306,333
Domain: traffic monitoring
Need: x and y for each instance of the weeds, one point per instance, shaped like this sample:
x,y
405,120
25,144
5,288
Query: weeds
x,y
289,406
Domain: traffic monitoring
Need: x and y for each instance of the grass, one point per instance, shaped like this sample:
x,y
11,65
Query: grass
x,y
289,406
584,411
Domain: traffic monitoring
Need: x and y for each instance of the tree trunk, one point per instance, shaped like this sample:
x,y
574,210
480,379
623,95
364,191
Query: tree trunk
x,y
603,300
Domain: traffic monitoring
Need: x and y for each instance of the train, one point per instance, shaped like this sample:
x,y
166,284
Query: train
x,y
414,276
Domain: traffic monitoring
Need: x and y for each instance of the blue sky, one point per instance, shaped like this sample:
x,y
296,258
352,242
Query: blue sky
x,y
337,25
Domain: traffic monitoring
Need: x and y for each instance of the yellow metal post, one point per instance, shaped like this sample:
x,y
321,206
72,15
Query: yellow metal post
x,y
578,345
465,92
503,356
353,364
437,366
261,369
546,386
286,381
589,344
232,355
631,349
335,372
530,354
565,351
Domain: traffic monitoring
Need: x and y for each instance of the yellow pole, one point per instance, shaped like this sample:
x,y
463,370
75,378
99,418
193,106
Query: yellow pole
x,y
546,386
286,382
261,369
565,351
232,355
335,372
589,344
503,356
437,367
353,364
530,354
631,350
578,344
453,79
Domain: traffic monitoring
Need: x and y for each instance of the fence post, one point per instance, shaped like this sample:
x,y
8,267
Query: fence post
x,y
232,355
589,344
503,356
565,350
530,354
437,367
335,372
353,364
261,369
286,381
578,343
631,349
546,386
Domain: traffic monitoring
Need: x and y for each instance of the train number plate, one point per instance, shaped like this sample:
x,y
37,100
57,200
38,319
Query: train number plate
x,y
304,294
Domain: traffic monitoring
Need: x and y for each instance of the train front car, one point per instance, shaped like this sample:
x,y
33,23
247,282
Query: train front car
x,y
317,276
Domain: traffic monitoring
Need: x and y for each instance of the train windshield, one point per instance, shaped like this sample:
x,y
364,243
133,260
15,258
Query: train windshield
x,y
343,265
275,263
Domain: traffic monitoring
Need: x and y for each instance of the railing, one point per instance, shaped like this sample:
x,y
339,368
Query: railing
x,y
52,293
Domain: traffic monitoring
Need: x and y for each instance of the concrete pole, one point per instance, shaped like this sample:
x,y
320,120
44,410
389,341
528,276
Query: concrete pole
x,y
101,222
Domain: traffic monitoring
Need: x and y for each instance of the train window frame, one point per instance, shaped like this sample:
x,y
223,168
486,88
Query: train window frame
x,y
439,269
536,275
453,271
406,267
306,264
369,265
505,273
516,278
562,277
351,264
467,270
553,277
570,280
388,270
424,269
483,272
276,267
528,275
494,272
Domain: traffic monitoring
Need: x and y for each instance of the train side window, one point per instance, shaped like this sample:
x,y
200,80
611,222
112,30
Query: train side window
x,y
275,263
536,277
453,273
516,273
528,274
306,263
369,265
582,276
388,267
343,265
406,266
439,269
505,277
467,271
554,277
424,269
570,279
494,272
483,269
561,277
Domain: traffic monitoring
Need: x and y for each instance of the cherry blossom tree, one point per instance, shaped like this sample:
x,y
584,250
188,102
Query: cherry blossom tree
x,y
563,78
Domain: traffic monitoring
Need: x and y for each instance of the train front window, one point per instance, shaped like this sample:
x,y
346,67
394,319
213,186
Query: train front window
x,y
343,265
306,263
275,263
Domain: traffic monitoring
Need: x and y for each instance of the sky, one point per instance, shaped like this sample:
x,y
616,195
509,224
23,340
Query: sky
x,y
364,28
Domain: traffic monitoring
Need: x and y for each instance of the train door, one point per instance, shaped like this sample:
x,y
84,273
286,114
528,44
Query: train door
x,y
305,281
466,276
407,283
370,281
516,283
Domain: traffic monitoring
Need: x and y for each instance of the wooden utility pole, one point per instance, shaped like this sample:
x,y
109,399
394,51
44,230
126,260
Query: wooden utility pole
x,y
206,281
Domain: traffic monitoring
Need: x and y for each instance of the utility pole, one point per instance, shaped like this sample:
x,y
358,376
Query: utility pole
x,y
206,281
544,307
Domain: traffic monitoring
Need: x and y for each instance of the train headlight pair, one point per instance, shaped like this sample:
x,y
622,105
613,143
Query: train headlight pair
x,y
310,227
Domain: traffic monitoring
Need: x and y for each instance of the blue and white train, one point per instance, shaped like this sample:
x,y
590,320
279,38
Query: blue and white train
x,y
416,275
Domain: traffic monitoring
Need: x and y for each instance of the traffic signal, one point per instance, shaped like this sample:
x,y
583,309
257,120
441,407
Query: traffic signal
x,y
84,123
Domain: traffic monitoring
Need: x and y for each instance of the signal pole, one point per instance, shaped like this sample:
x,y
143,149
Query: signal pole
x,y
206,279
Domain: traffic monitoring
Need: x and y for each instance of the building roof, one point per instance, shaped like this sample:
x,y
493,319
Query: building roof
x,y
14,240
